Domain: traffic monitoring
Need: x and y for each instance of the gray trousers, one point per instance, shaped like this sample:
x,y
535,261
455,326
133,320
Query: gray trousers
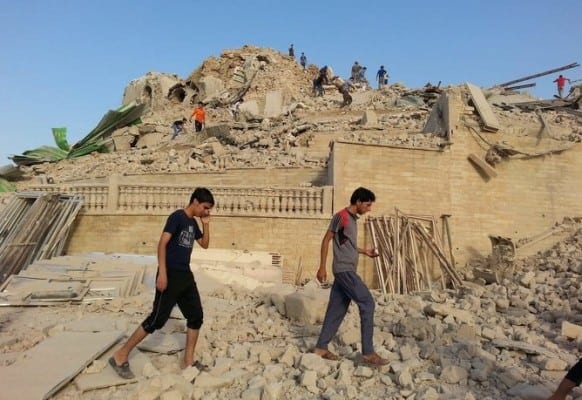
x,y
346,287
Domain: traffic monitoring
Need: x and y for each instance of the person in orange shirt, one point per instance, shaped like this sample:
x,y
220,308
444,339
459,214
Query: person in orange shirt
x,y
199,117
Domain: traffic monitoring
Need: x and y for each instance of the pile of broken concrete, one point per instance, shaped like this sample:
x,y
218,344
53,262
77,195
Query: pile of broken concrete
x,y
509,340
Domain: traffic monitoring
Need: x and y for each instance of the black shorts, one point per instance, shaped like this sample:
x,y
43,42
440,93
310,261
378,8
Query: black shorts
x,y
575,373
181,290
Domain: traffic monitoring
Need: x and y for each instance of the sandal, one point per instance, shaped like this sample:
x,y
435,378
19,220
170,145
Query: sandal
x,y
375,360
328,355
122,370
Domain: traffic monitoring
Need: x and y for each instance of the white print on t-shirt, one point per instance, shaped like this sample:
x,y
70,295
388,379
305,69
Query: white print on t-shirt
x,y
186,238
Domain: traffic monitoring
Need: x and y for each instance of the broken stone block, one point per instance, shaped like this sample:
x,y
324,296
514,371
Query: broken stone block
x,y
554,364
278,297
308,307
530,392
363,372
453,374
252,394
511,377
150,140
209,87
221,132
249,111
309,381
369,119
349,335
315,363
272,391
570,330
143,129
273,104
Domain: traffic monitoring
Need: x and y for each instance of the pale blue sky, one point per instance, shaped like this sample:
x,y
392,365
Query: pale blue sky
x,y
66,62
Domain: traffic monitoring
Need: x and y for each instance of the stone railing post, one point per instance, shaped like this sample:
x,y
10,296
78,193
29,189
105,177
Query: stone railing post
x,y
327,201
113,194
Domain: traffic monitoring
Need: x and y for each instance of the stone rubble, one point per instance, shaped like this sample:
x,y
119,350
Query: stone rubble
x,y
509,340
278,119
495,341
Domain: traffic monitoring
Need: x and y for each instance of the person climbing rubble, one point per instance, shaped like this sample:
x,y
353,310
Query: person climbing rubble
x,y
344,88
318,89
199,117
178,127
291,51
235,109
324,74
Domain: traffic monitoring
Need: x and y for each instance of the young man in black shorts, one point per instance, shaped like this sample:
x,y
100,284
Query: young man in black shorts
x,y
175,282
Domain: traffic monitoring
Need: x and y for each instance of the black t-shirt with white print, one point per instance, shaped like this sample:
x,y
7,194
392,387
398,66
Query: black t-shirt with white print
x,y
184,231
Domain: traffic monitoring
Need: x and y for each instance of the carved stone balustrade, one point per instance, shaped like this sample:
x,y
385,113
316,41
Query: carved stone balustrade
x,y
148,199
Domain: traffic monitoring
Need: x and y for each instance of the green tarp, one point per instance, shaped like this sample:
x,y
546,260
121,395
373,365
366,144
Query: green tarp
x,y
94,141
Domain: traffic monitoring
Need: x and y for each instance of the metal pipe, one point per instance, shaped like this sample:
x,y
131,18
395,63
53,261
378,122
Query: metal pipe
x,y
551,71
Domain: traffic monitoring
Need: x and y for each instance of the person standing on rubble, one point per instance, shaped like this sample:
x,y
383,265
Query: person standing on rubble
x,y
382,77
355,71
199,117
561,82
347,285
303,60
318,89
235,109
175,282
572,379
178,127
291,51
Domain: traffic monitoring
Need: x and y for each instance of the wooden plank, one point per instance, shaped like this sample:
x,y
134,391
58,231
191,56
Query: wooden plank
x,y
483,165
490,122
50,365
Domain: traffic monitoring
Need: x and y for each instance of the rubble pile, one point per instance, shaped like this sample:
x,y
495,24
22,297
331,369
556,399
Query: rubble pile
x,y
279,117
496,341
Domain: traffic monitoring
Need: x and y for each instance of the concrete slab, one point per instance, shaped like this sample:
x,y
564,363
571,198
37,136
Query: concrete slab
x,y
160,342
47,367
273,104
490,121
107,377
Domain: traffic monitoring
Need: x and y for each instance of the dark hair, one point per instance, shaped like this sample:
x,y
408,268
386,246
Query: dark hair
x,y
203,195
362,194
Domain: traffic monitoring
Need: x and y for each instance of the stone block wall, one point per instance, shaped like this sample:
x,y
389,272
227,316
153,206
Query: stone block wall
x,y
298,240
527,197
248,176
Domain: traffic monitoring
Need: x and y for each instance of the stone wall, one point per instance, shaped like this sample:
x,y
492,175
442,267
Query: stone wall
x,y
528,196
128,217
250,176
297,240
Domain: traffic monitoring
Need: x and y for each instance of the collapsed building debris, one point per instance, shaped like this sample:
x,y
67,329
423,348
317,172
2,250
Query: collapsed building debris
x,y
489,338
481,341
